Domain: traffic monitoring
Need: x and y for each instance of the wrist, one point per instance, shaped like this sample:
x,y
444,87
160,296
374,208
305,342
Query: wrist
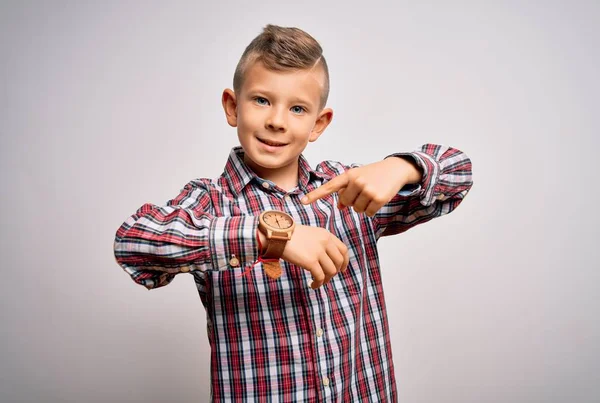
x,y
409,168
262,242
275,229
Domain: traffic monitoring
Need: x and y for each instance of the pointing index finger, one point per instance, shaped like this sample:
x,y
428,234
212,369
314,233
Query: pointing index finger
x,y
337,183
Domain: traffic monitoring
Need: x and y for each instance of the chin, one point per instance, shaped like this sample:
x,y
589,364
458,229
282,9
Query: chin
x,y
269,162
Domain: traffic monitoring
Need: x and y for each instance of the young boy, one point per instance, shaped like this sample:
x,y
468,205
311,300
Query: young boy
x,y
288,273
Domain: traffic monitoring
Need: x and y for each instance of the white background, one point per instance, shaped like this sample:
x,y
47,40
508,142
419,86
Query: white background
x,y
105,106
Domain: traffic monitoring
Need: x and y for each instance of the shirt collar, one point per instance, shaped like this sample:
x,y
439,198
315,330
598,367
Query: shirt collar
x,y
237,174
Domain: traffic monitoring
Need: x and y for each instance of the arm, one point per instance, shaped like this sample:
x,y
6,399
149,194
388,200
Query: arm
x,y
157,243
400,193
446,180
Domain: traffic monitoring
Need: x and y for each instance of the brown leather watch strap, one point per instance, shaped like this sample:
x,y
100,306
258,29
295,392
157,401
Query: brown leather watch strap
x,y
275,248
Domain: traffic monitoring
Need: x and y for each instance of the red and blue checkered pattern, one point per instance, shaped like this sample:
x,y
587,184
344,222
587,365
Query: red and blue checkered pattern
x,y
280,340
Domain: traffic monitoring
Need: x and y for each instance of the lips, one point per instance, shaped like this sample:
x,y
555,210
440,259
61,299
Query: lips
x,y
272,143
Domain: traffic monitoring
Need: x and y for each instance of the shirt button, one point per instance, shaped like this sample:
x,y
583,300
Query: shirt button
x,y
234,261
266,185
441,196
287,197
325,381
185,269
319,332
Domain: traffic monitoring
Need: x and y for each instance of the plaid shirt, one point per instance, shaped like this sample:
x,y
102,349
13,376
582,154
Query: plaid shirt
x,y
280,340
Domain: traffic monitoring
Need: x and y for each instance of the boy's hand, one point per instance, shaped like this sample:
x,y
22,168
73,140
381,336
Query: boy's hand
x,y
369,187
317,250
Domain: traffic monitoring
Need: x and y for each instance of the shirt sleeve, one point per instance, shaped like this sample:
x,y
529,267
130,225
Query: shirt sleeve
x,y
447,178
157,243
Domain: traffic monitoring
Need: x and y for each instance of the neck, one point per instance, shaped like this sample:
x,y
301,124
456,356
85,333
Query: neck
x,y
285,177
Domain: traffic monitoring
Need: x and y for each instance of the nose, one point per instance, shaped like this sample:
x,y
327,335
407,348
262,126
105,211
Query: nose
x,y
276,120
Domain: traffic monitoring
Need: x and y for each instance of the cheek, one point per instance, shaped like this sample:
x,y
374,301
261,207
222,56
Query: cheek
x,y
302,128
248,119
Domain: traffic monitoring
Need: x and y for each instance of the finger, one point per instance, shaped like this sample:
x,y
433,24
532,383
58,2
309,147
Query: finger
x,y
362,202
373,208
340,205
330,187
335,255
350,194
344,251
328,267
318,276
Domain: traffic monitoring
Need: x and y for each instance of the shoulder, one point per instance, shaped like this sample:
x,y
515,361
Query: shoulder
x,y
193,193
202,184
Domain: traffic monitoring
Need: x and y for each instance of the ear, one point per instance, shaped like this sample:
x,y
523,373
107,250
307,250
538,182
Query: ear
x,y
323,120
230,106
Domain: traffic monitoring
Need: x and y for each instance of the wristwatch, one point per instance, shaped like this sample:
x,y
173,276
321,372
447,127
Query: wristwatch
x,y
278,228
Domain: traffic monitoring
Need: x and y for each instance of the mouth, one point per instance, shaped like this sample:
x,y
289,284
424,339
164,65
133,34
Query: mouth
x,y
272,143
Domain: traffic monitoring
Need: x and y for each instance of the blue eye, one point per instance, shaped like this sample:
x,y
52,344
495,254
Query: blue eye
x,y
261,101
297,109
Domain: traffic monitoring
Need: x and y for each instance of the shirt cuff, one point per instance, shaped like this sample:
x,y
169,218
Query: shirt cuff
x,y
233,237
431,171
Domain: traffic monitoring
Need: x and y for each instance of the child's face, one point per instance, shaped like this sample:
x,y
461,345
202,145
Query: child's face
x,y
280,108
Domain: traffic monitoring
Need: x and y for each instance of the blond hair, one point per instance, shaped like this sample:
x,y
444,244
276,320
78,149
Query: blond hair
x,y
280,49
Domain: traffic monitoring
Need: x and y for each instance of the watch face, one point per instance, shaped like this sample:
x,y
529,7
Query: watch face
x,y
277,220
